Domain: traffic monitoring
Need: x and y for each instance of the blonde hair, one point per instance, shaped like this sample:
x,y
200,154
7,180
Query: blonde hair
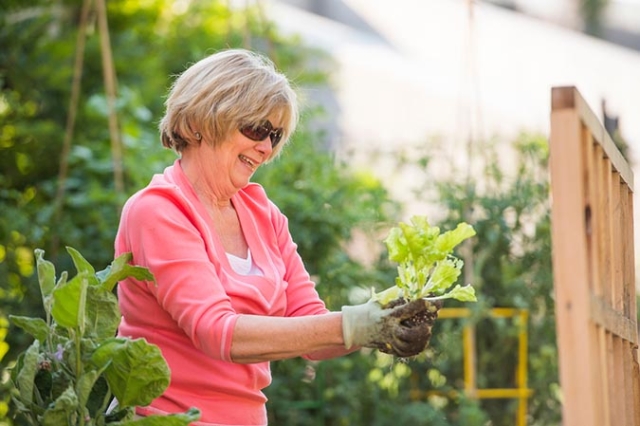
x,y
223,92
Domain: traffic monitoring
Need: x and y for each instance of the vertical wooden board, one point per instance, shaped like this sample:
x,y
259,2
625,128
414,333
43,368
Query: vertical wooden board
x,y
616,381
629,288
627,392
635,372
592,214
616,242
617,394
628,252
578,373
604,177
605,370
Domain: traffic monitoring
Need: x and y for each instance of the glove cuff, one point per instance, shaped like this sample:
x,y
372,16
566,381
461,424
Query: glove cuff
x,y
349,325
360,323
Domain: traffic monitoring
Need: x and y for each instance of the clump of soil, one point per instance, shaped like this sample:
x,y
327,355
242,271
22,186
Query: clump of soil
x,y
428,316
417,324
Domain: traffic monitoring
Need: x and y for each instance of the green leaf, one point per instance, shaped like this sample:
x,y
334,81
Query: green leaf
x,y
69,301
61,381
449,240
102,313
182,419
462,293
421,237
43,386
137,373
46,278
99,398
121,269
46,273
63,278
27,374
85,384
36,327
63,409
387,296
81,264
444,275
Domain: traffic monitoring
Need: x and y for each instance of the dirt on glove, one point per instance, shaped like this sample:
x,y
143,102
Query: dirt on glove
x,y
412,332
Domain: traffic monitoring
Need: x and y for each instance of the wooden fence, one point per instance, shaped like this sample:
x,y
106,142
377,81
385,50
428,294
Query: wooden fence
x,y
593,264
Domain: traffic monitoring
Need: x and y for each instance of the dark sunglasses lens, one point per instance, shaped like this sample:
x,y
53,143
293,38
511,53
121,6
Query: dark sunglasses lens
x,y
260,132
256,133
276,137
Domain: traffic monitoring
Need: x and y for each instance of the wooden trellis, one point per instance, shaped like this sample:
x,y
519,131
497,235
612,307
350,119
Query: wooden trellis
x,y
593,267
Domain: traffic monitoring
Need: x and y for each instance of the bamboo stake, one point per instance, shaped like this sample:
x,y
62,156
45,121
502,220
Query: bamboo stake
x,y
71,120
109,74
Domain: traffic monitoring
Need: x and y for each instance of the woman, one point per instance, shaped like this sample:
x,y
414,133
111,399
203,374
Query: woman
x,y
231,291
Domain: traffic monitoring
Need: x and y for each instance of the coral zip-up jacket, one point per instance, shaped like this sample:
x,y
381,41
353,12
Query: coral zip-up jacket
x,y
191,310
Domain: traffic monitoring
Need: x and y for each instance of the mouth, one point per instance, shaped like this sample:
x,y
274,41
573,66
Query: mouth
x,y
249,162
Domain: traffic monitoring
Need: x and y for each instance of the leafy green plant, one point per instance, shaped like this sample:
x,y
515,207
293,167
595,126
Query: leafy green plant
x,y
426,266
75,365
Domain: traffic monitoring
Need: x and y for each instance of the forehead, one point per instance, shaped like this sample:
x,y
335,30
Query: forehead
x,y
276,119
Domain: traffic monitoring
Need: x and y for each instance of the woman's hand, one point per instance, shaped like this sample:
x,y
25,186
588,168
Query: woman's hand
x,y
403,331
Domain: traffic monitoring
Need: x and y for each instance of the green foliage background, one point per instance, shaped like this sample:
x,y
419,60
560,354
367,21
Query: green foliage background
x,y
327,204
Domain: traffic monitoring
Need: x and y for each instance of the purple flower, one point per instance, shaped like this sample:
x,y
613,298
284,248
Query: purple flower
x,y
59,353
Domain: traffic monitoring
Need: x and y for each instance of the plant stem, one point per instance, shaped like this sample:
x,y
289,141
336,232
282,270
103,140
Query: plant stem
x,y
78,341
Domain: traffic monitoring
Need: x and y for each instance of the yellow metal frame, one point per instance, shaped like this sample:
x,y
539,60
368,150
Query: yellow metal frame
x,y
522,393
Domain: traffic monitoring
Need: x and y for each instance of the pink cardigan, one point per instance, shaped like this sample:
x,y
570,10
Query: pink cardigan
x,y
191,312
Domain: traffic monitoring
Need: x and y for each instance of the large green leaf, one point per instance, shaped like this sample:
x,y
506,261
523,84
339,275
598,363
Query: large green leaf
x,y
27,374
69,300
85,384
62,411
99,398
120,269
36,327
102,313
84,268
137,373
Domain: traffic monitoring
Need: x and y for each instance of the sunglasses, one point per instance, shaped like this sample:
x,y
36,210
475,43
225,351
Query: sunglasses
x,y
259,132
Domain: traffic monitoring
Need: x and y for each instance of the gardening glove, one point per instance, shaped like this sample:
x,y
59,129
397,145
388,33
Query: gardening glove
x,y
403,330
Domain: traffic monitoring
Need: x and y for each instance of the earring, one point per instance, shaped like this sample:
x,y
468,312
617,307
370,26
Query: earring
x,y
198,136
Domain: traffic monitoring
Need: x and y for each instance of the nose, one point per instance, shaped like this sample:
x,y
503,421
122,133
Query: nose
x,y
264,145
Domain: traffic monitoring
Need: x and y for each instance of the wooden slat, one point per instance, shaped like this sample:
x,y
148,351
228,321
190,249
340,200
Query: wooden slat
x,y
592,213
617,243
627,368
636,383
628,268
612,320
570,271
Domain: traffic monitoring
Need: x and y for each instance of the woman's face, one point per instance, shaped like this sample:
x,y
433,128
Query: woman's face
x,y
235,161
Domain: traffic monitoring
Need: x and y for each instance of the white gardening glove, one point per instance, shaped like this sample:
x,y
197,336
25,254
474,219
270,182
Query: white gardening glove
x,y
403,330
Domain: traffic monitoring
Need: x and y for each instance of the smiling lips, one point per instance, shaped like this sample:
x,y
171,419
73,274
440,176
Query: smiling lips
x,y
253,166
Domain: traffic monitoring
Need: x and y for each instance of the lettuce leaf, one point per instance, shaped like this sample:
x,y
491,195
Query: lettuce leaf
x,y
426,266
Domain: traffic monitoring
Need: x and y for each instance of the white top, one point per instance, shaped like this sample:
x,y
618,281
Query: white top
x,y
244,266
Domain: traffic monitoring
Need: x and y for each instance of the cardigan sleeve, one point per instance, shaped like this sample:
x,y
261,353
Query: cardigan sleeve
x,y
165,235
302,296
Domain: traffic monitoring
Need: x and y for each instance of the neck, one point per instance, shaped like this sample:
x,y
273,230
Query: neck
x,y
203,182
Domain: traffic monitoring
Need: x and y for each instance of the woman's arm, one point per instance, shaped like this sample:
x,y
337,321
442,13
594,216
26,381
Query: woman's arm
x,y
263,338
